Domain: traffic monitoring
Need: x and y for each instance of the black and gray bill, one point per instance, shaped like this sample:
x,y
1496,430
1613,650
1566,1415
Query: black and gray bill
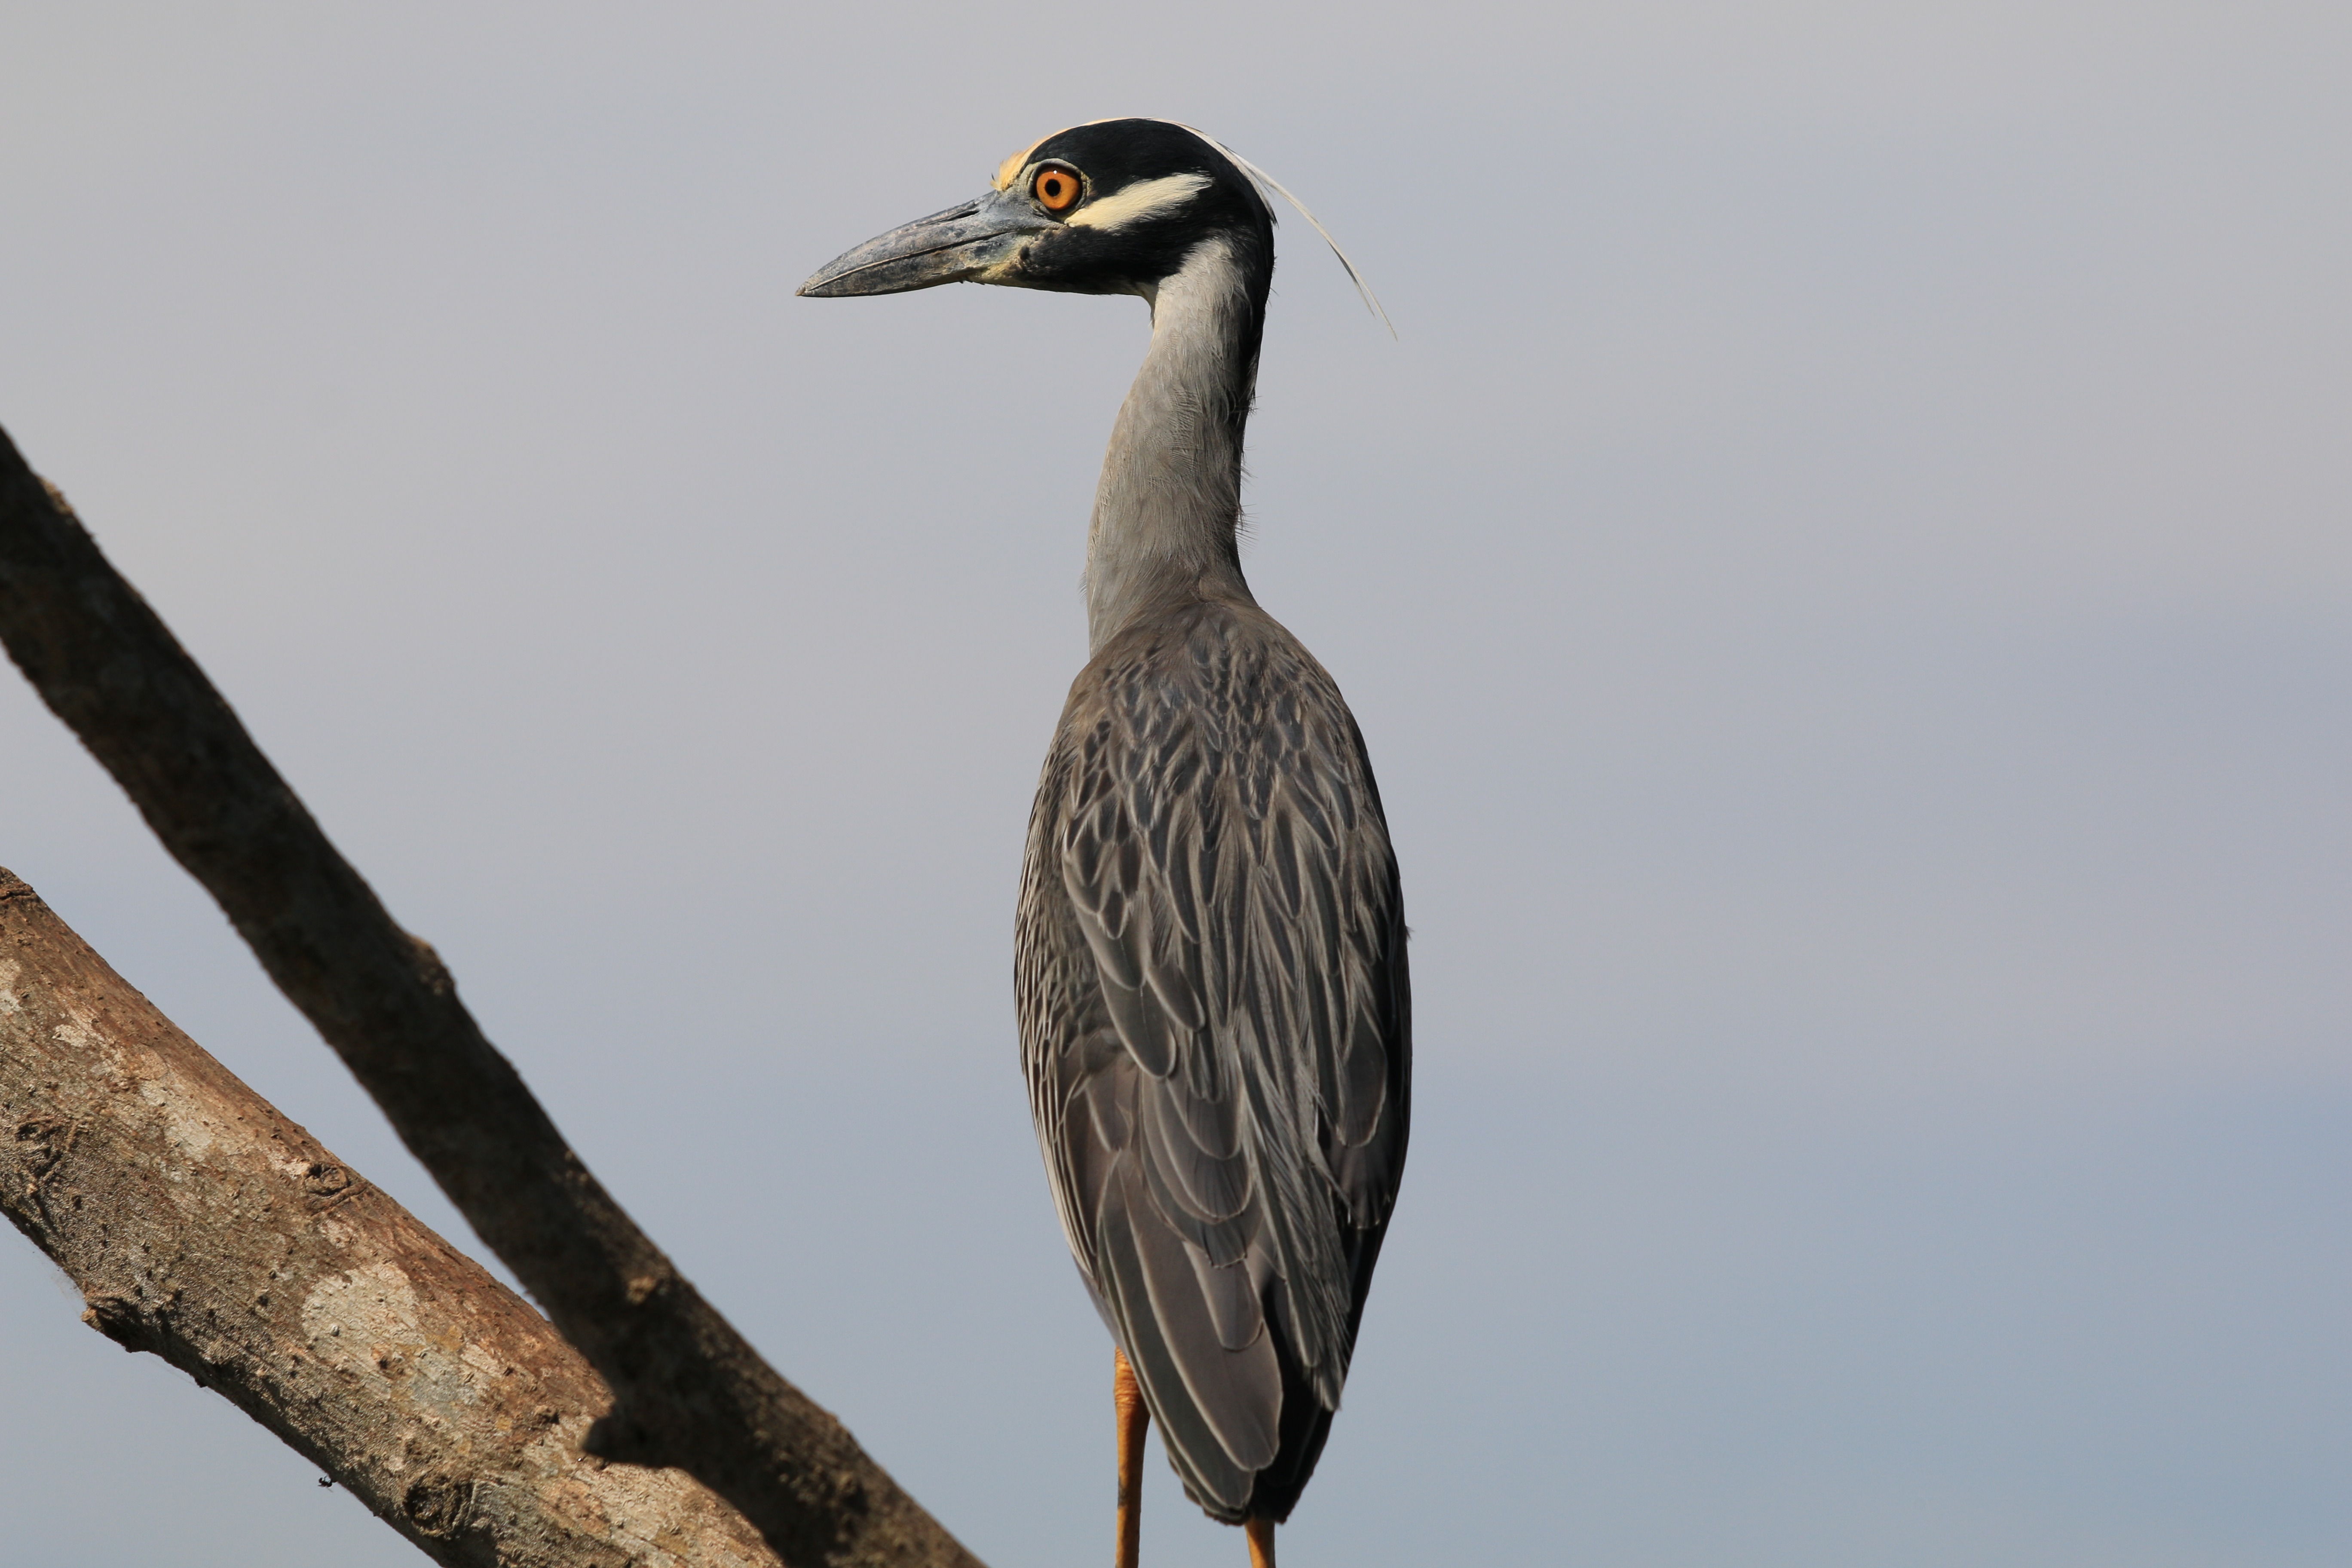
x,y
961,244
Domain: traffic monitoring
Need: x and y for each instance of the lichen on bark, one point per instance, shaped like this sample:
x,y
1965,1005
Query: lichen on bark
x,y
204,1227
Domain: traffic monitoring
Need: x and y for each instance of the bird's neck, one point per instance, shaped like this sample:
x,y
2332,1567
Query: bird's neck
x,y
1169,506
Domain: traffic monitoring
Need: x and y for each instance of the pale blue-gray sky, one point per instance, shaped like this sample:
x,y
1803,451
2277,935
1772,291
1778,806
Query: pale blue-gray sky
x,y
1844,574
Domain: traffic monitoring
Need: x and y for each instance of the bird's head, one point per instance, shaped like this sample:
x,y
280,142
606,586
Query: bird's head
x,y
1112,207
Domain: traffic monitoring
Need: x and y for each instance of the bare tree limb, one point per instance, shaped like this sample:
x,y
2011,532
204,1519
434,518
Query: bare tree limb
x,y
206,1227
689,1391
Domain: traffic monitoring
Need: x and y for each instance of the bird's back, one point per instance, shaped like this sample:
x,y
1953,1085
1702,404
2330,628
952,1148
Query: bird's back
x,y
1216,1024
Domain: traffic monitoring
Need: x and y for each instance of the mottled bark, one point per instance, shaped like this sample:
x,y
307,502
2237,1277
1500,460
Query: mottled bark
x,y
689,1391
204,1227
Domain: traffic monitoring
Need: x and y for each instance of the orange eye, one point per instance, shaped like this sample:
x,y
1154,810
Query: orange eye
x,y
1056,190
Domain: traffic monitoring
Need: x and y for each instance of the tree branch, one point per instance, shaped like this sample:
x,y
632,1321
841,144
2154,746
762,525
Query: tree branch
x,y
206,1227
689,1391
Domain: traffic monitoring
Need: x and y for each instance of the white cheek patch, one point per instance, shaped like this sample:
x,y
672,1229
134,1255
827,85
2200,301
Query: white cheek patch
x,y
1143,199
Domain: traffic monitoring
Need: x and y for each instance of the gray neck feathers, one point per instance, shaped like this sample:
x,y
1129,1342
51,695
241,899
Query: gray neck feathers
x,y
1170,501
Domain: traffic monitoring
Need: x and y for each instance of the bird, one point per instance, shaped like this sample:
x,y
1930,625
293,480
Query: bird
x,y
1209,974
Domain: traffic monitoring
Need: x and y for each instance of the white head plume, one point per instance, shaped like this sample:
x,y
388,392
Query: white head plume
x,y
1267,181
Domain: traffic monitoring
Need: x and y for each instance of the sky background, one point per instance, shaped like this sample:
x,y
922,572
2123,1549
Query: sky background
x,y
1844,574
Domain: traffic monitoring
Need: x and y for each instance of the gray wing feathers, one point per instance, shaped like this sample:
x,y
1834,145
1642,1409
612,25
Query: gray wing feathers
x,y
1208,844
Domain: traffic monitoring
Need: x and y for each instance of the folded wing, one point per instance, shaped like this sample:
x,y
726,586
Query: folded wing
x,y
1216,1020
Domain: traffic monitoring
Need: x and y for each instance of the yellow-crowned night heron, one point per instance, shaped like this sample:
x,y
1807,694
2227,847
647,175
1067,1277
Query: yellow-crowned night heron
x,y
1210,961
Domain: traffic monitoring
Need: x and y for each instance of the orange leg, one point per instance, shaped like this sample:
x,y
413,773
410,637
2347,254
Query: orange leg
x,y
1127,1398
1261,1540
